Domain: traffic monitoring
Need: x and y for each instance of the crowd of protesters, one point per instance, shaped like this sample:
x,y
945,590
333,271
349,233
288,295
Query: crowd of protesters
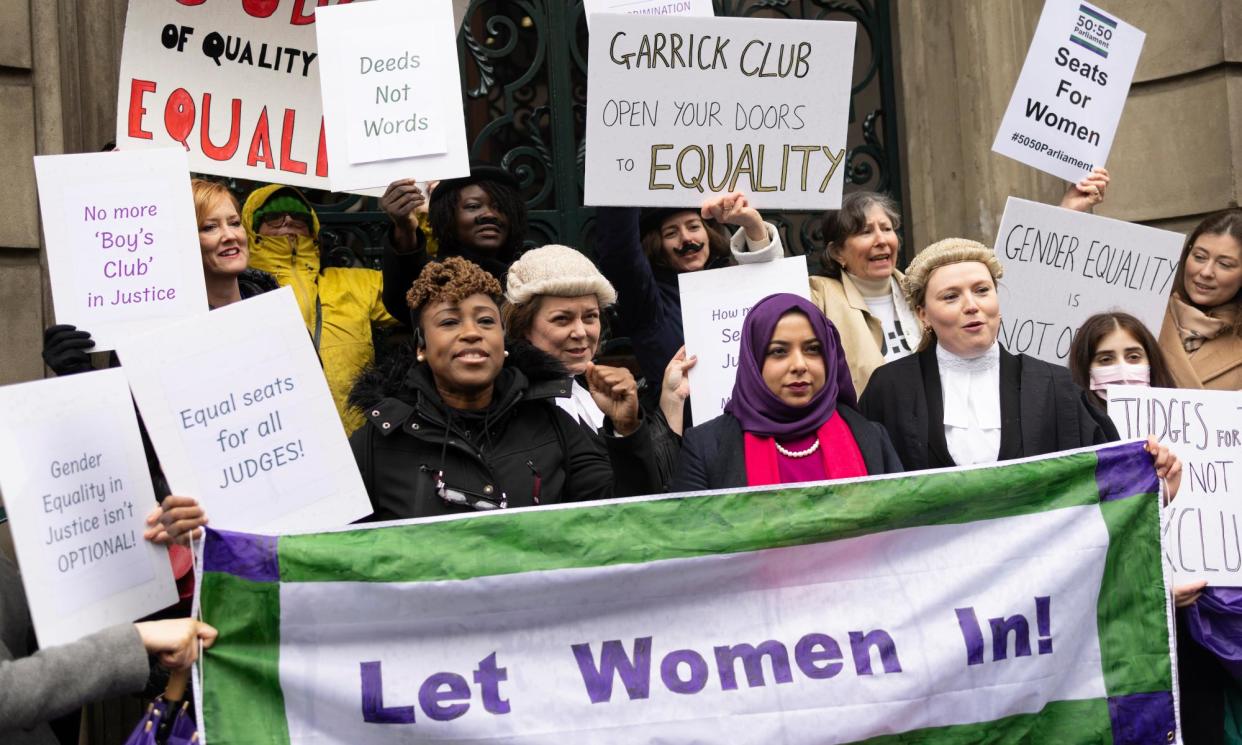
x,y
500,401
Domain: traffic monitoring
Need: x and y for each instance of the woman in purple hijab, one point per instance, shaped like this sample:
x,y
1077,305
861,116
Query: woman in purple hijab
x,y
791,417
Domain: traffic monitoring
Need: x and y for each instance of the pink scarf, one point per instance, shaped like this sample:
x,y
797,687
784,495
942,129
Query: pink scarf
x,y
837,448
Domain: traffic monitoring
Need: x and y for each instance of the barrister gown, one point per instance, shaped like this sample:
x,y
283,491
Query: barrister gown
x,y
1042,410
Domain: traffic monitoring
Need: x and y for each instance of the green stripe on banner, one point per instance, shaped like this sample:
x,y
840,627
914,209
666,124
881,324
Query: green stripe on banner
x,y
1134,645
641,531
242,672
1058,722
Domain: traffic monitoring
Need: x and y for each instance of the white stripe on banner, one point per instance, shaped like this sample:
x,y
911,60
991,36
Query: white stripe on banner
x,y
835,652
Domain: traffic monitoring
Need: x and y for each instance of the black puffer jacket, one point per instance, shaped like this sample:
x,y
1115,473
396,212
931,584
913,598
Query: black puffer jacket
x,y
520,451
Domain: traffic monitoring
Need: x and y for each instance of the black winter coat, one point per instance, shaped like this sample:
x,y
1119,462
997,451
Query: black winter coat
x,y
1042,409
522,450
713,455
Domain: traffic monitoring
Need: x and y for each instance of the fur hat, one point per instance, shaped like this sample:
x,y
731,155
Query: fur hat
x,y
556,270
941,253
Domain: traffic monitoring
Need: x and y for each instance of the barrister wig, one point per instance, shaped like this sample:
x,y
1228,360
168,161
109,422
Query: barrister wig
x,y
454,279
943,253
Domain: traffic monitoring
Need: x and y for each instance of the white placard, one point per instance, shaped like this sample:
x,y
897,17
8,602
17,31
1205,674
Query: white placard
x,y
122,240
235,84
1073,86
700,8
678,108
1204,429
714,304
240,414
1062,266
77,488
391,92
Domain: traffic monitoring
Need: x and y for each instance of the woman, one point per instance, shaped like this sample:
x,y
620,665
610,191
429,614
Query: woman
x,y
462,428
554,299
642,252
1202,332
962,399
225,252
791,418
861,292
1115,348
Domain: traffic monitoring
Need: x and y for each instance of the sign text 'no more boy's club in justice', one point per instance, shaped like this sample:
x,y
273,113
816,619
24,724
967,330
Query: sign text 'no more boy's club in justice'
x,y
121,240
1068,99
679,108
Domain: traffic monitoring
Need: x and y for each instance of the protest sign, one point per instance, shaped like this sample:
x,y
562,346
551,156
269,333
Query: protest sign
x,y
122,240
678,108
1062,266
1071,91
714,304
240,415
234,84
701,8
391,93
77,488
1204,429
1015,602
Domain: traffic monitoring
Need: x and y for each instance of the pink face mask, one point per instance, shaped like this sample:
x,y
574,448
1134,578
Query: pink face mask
x,y
1122,374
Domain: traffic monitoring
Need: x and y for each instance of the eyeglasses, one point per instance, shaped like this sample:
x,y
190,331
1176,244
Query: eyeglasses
x,y
465,497
297,219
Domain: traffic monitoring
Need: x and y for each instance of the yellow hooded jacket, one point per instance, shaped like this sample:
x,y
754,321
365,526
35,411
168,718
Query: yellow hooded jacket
x,y
349,299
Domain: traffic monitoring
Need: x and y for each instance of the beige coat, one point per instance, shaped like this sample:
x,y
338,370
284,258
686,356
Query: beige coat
x,y
1217,365
861,334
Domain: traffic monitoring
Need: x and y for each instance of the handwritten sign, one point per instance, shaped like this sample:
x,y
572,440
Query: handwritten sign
x,y
122,240
78,490
1062,266
678,108
700,8
391,93
714,304
240,414
1204,428
234,84
1071,91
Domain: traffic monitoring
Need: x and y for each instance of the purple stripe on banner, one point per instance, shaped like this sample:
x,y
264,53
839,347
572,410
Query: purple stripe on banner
x,y
1125,470
1142,718
251,557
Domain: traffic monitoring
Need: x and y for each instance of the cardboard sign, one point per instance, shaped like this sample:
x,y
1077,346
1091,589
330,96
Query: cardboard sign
x,y
122,240
1062,266
680,108
700,8
714,304
1204,429
78,490
392,93
1068,99
239,412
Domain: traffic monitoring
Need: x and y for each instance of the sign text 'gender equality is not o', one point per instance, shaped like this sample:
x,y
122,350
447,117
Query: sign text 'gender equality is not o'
x,y
1062,266
679,108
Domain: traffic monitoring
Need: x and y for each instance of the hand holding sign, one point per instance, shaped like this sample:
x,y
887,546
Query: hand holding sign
x,y
734,209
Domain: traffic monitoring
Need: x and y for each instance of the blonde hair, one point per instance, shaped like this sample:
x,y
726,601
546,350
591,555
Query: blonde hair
x,y
938,254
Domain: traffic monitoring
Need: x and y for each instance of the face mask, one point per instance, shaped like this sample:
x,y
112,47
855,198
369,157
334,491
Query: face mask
x,y
1122,374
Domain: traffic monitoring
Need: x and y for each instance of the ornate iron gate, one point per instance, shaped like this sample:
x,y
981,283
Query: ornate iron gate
x,y
524,70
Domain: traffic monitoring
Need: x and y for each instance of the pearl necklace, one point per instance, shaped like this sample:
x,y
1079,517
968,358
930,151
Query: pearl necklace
x,y
797,453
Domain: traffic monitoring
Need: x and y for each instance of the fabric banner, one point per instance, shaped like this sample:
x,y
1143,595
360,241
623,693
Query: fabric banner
x,y
1023,602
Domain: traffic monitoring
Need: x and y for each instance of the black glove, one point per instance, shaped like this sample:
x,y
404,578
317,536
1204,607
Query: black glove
x,y
65,349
